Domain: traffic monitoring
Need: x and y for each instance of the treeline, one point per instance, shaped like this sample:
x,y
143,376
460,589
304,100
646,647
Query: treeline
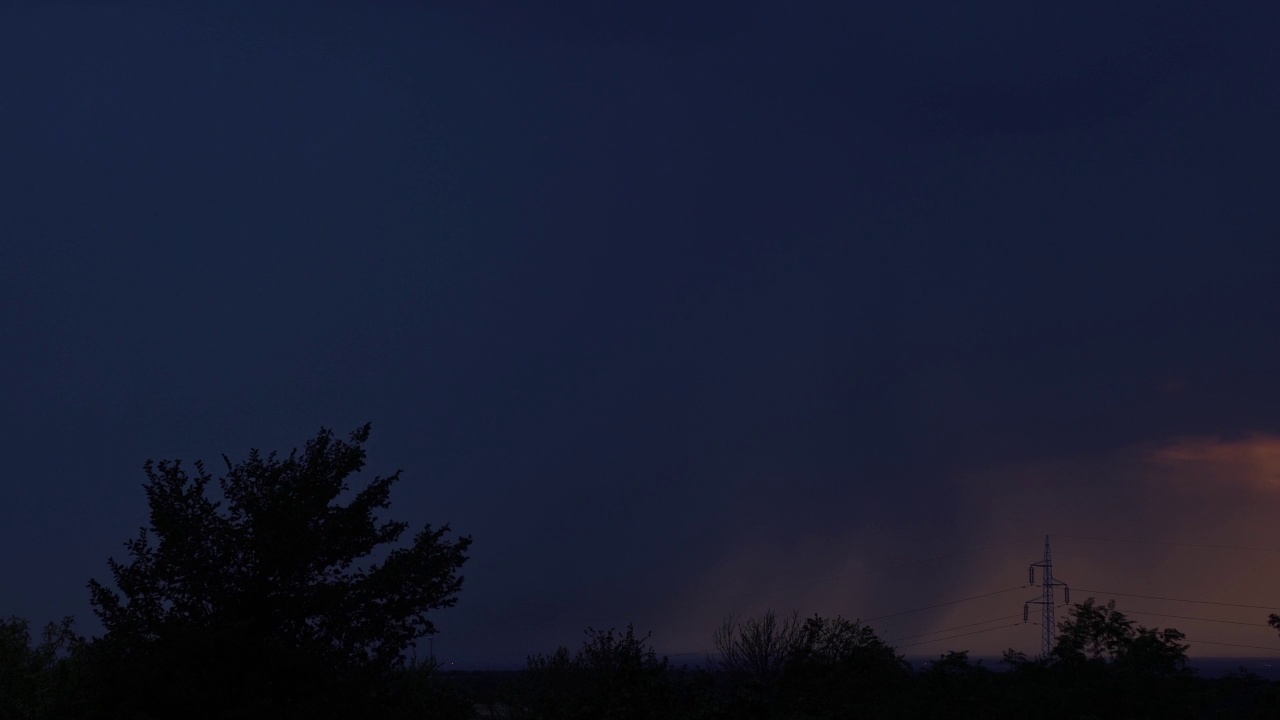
x,y
58,675
278,591
766,668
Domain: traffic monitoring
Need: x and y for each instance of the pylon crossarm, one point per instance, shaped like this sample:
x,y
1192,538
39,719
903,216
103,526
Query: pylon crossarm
x,y
1046,601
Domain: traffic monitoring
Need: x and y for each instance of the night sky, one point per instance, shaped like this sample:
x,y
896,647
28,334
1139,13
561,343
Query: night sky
x,y
678,309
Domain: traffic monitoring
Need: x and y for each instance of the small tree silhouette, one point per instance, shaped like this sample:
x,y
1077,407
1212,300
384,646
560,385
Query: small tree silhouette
x,y
756,649
614,675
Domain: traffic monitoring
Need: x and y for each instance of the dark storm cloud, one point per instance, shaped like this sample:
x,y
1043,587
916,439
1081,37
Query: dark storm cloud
x,y
671,309
1096,93
586,24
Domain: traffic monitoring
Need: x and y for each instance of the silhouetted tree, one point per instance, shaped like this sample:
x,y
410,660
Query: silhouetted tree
x,y
275,596
614,676
418,691
841,668
1094,632
37,681
751,655
1106,665
755,649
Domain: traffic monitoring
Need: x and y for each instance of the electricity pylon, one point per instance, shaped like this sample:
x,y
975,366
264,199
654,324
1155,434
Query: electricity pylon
x,y
1048,625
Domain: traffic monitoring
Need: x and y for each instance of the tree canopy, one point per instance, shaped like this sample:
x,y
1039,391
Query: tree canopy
x,y
285,566
1101,633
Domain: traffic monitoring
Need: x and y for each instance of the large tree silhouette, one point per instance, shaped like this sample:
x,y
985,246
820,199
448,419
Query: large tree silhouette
x,y
280,591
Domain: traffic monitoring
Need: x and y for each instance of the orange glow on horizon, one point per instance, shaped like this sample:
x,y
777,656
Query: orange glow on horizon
x,y
1253,460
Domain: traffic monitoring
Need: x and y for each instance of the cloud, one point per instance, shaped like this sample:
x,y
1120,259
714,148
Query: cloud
x,y
1251,462
1038,98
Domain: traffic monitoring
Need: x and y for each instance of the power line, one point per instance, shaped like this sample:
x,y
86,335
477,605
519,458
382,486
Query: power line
x,y
944,604
952,637
999,592
1170,542
1198,602
951,629
1255,647
1187,617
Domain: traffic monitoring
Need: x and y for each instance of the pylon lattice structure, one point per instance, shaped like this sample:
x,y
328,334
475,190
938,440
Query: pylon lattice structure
x,y
1048,624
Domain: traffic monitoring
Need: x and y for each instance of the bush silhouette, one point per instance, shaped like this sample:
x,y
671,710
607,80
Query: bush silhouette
x,y
37,681
951,686
615,676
